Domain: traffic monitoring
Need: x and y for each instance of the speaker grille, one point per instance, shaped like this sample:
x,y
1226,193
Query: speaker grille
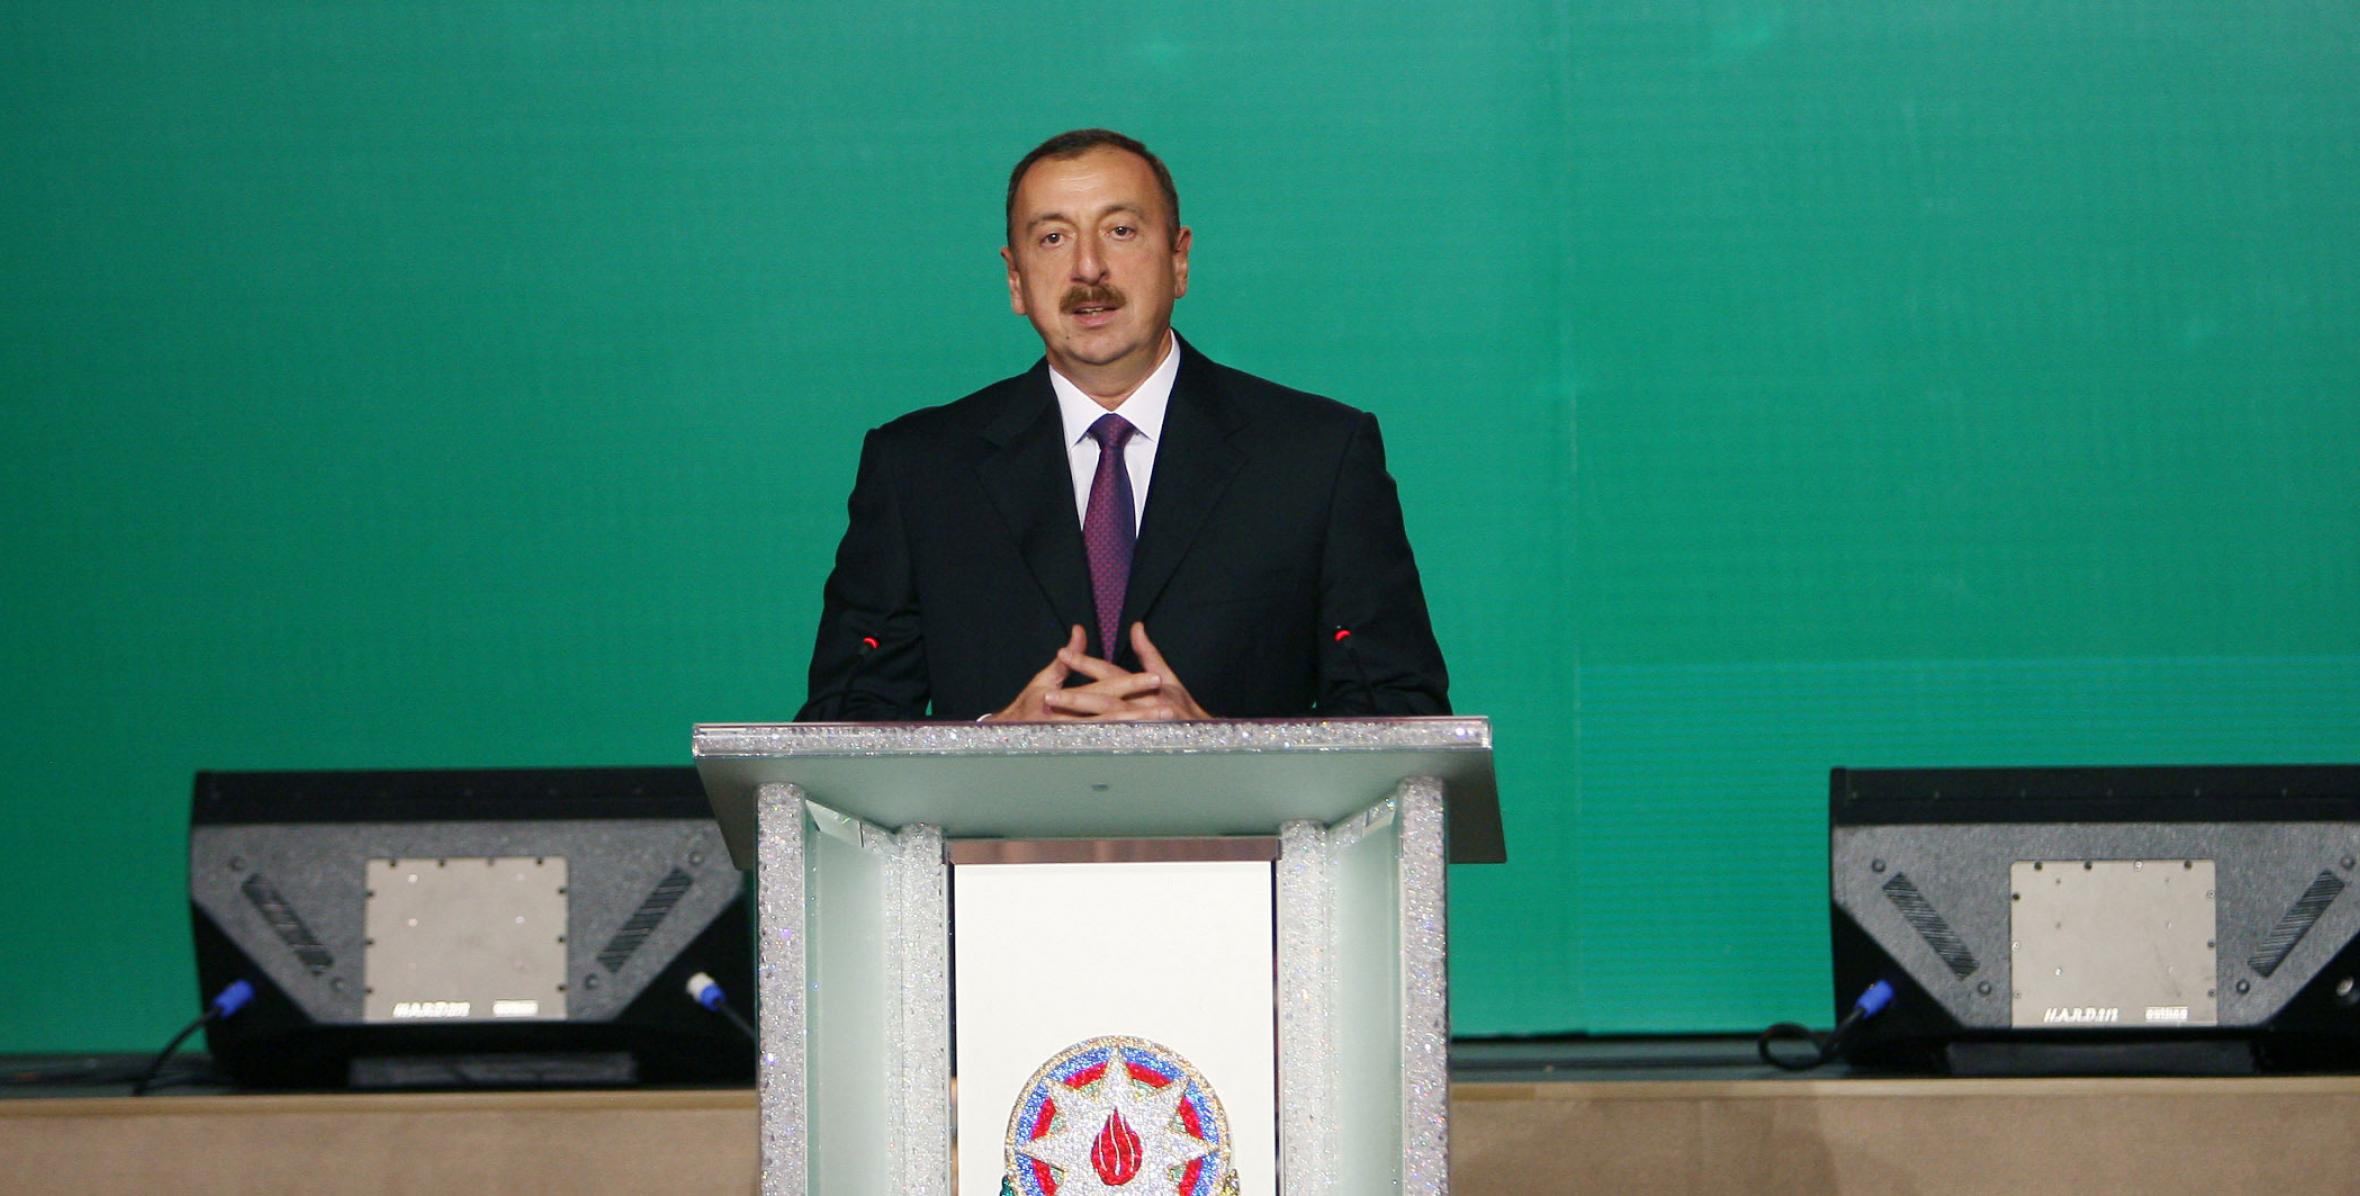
x,y
2295,923
1923,918
645,919
287,924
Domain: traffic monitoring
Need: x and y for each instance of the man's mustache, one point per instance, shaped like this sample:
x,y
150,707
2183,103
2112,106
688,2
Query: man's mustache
x,y
1097,296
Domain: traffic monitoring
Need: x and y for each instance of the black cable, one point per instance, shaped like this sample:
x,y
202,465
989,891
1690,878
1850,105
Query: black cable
x,y
1794,1032
1830,1048
147,1078
744,1027
228,1001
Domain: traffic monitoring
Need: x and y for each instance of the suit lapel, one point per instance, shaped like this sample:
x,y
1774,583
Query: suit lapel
x,y
1029,480
1193,467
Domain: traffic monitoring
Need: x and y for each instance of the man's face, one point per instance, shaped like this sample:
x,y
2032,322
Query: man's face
x,y
1095,264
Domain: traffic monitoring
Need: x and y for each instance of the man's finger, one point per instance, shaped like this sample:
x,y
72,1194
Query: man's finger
x,y
1051,675
1082,702
1125,686
1092,667
1056,671
1151,710
1145,647
1178,701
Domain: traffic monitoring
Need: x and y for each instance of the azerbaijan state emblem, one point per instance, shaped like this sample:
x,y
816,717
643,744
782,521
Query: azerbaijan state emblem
x,y
1119,1116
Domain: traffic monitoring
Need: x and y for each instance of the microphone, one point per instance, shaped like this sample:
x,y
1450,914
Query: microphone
x,y
843,689
1342,637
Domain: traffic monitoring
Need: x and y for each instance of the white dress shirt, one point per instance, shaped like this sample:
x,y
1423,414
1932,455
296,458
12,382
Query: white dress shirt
x,y
1144,410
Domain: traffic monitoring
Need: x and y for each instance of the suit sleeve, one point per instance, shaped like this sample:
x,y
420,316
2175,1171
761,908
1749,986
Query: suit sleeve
x,y
1369,585
870,595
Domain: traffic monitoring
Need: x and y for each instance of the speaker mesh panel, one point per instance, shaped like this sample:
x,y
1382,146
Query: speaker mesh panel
x,y
1930,925
287,924
644,920
2296,923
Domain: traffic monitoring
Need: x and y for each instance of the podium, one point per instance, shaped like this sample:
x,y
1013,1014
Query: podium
x,y
855,831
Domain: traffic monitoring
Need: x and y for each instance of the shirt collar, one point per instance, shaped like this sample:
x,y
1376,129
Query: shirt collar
x,y
1144,409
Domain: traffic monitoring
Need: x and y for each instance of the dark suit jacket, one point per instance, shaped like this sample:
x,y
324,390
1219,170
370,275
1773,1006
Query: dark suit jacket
x,y
1270,522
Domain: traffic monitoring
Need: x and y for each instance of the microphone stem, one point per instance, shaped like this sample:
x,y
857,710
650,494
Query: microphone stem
x,y
1368,693
860,660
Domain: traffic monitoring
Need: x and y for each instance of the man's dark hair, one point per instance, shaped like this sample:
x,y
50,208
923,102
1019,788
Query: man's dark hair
x,y
1071,145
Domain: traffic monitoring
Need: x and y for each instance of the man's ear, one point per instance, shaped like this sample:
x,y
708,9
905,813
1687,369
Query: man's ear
x,y
1180,244
1015,284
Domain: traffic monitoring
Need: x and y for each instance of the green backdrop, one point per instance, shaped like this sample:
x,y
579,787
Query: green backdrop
x,y
1772,386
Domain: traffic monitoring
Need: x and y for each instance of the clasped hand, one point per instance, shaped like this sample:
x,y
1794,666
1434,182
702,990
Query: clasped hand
x,y
1113,694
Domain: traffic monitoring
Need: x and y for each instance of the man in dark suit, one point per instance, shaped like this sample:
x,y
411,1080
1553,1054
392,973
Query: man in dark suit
x,y
1128,530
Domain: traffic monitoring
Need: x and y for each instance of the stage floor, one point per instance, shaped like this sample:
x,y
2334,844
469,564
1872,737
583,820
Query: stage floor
x,y
1741,1130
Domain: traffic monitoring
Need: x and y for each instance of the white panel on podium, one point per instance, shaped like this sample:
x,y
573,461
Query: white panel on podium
x,y
1178,953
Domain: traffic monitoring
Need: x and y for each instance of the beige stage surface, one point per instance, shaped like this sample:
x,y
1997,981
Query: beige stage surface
x,y
1869,1137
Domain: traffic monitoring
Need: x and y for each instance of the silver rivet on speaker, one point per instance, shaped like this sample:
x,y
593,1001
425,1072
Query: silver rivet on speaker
x,y
590,981
2343,988
2347,863
1984,988
237,863
697,859
1876,865
2245,986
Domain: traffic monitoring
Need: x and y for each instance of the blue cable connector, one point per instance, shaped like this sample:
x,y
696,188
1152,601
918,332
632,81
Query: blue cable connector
x,y
229,1000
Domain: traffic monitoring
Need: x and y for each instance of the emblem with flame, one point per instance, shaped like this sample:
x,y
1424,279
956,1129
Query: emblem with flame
x,y
1118,1117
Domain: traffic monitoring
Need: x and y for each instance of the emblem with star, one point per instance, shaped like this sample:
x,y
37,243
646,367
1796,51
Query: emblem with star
x,y
1118,1116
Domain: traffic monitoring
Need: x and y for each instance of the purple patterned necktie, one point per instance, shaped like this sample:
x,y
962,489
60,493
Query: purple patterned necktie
x,y
1106,528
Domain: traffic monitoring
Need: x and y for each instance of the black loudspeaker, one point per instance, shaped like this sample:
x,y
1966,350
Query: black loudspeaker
x,y
467,928
2099,920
